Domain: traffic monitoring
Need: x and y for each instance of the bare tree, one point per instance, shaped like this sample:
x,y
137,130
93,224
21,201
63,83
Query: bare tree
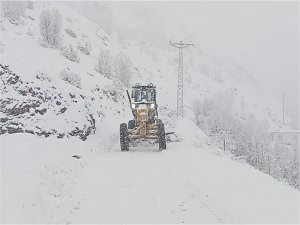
x,y
104,63
122,68
50,28
13,10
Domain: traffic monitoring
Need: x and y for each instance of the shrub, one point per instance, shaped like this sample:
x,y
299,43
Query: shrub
x,y
71,53
71,77
85,47
104,64
50,28
43,76
13,10
70,32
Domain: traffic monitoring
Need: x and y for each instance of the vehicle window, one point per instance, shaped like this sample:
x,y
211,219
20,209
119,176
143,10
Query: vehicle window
x,y
144,95
149,96
138,96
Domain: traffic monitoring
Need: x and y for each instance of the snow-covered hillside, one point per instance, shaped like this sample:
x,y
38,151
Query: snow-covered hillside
x,y
60,155
22,52
39,100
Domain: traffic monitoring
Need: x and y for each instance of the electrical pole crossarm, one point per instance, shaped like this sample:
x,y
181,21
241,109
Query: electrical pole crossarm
x,y
180,44
187,45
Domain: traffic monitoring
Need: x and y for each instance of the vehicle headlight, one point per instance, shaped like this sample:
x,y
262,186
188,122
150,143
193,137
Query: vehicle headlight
x,y
133,106
152,105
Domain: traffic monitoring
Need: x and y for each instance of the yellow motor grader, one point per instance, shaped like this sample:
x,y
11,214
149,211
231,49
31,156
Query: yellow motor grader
x,y
145,124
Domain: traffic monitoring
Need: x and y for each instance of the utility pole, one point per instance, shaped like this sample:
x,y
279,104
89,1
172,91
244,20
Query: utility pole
x,y
282,109
180,46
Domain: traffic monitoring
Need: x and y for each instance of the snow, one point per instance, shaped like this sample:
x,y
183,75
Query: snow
x,y
35,177
190,182
43,183
151,64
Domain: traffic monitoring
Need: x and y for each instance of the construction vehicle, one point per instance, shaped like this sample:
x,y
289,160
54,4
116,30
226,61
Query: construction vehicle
x,y
145,124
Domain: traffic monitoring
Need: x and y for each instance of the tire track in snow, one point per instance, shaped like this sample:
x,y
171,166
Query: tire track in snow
x,y
144,186
222,215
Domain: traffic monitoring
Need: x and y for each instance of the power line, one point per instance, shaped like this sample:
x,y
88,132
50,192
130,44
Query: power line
x,y
180,46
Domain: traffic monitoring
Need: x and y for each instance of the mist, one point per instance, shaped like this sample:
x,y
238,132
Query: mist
x,y
102,121
261,37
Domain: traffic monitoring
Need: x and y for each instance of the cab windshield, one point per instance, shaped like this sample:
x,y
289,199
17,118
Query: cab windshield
x,y
146,95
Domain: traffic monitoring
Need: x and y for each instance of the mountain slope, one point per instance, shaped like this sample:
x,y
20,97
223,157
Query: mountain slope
x,y
204,76
66,179
42,100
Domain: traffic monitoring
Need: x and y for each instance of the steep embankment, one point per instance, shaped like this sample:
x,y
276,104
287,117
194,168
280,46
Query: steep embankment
x,y
45,93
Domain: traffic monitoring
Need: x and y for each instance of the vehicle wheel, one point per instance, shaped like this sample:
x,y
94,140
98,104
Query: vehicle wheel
x,y
124,140
131,124
161,136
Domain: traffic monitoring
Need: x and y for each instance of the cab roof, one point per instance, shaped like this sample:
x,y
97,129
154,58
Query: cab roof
x,y
139,86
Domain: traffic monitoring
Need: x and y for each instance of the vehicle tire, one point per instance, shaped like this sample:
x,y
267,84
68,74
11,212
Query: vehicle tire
x,y
131,124
124,139
161,136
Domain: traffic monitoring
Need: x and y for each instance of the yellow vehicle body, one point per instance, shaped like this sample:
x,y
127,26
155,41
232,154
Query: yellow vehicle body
x,y
144,129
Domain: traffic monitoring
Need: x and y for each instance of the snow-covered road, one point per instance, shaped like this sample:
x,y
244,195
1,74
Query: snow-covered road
x,y
184,184
144,186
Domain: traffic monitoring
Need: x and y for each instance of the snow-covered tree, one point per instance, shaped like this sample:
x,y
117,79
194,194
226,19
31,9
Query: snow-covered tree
x,y
104,63
50,28
247,139
70,53
13,10
122,68
71,77
70,32
85,47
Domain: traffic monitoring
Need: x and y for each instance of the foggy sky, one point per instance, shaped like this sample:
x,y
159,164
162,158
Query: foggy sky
x,y
261,36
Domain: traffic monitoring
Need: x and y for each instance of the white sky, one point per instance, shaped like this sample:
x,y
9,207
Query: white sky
x,y
261,36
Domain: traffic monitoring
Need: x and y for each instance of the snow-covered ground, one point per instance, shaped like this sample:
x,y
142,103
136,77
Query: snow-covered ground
x,y
189,182
21,50
68,180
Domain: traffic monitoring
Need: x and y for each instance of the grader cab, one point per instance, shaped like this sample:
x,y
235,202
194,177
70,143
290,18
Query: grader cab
x,y
145,124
